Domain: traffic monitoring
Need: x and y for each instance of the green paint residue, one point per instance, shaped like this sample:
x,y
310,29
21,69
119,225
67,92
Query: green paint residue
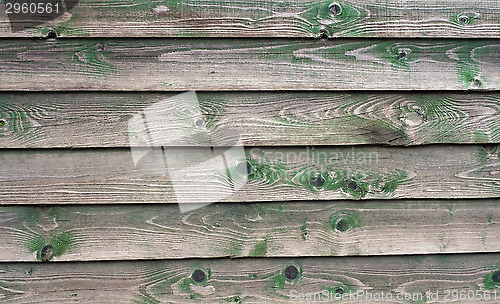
x,y
321,18
481,137
492,280
468,70
235,299
92,58
464,19
398,55
260,249
278,281
185,285
303,228
355,184
338,290
345,220
35,244
156,284
61,244
234,249
394,181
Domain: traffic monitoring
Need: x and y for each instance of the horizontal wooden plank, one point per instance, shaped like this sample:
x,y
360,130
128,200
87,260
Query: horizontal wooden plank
x,y
265,18
83,119
249,64
406,279
130,232
203,175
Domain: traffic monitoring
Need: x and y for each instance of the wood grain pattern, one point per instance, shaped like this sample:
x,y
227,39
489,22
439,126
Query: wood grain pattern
x,y
52,120
276,174
110,232
253,280
248,64
265,18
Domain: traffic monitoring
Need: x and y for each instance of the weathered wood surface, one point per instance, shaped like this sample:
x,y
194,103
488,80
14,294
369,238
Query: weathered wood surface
x,y
276,174
266,18
248,64
94,233
255,280
50,120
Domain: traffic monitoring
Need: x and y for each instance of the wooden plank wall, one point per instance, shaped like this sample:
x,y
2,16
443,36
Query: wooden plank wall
x,y
394,103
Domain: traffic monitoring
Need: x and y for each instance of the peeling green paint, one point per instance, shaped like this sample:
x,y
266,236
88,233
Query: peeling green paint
x,y
338,290
322,18
464,19
260,249
355,184
492,280
234,299
278,281
345,220
303,228
60,242
92,58
480,136
394,180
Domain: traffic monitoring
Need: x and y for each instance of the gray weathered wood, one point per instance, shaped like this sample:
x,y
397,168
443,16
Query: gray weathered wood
x,y
229,64
94,233
41,120
266,18
255,280
277,174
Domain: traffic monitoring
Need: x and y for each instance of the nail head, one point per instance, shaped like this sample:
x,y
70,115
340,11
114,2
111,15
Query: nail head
x,y
352,185
47,253
323,34
198,276
335,8
317,181
291,273
496,276
51,34
464,19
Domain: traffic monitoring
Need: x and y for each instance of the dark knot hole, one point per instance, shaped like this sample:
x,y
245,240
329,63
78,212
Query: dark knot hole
x,y
47,253
198,276
335,9
291,273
